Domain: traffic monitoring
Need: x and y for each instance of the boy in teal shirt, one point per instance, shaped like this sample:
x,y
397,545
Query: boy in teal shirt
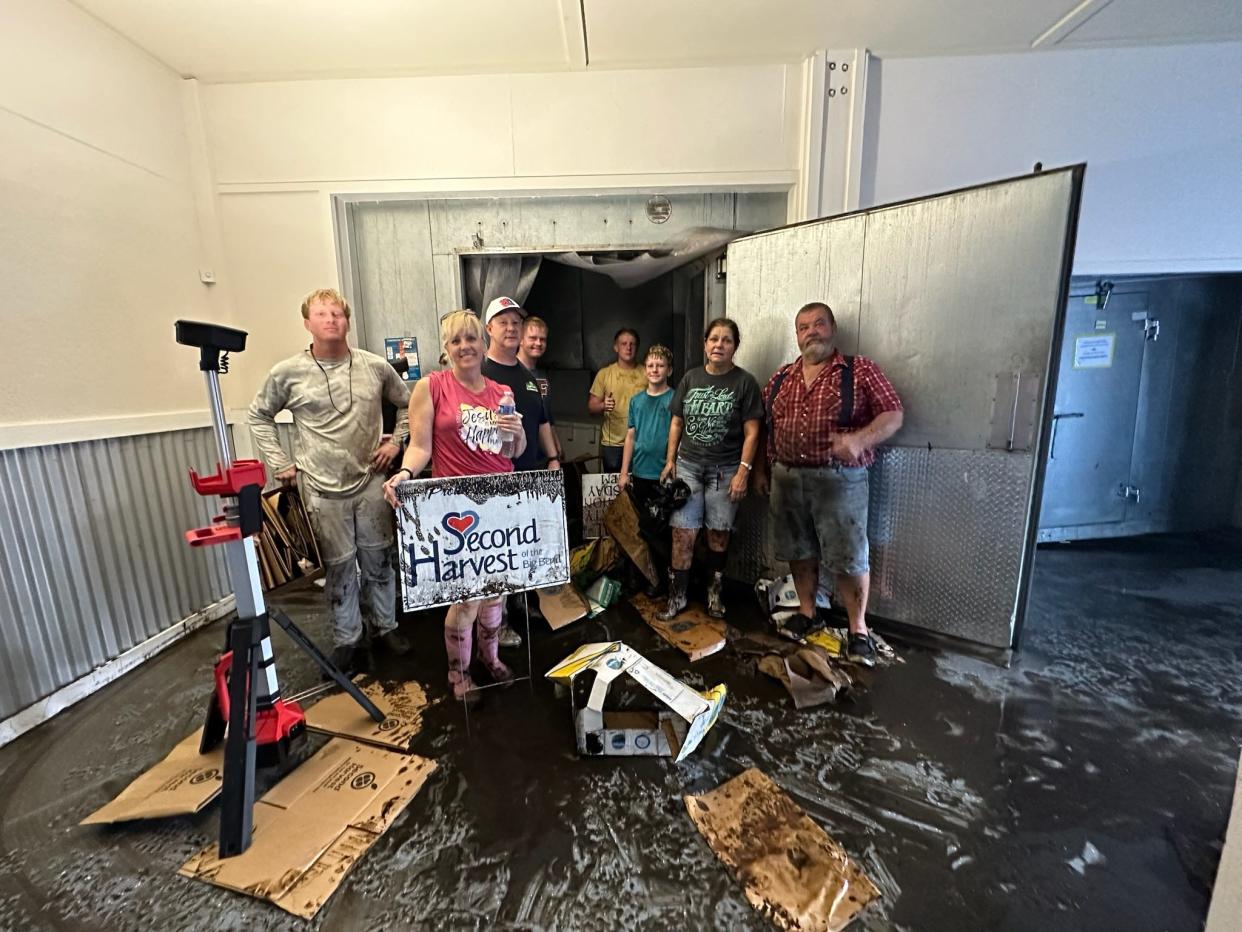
x,y
646,446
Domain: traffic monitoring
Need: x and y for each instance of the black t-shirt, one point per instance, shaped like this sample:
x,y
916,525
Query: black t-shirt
x,y
713,409
530,405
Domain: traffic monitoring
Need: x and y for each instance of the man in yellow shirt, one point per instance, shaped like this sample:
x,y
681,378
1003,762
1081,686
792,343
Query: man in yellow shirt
x,y
610,396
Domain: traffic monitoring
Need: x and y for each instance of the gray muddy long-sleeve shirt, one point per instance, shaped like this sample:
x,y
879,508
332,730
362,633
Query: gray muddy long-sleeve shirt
x,y
336,436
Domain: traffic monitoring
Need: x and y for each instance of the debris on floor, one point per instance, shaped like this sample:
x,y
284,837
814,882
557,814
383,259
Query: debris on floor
x,y
402,703
621,522
182,783
694,632
1226,907
562,605
315,824
779,595
1091,856
809,676
602,593
792,871
673,733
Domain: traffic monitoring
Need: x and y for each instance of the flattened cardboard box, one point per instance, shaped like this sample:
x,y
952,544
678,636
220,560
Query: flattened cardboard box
x,y
792,872
562,605
314,825
675,731
403,705
181,784
694,632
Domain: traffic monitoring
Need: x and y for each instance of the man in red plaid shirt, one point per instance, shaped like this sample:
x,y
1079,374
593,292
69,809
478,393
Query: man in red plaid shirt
x,y
826,415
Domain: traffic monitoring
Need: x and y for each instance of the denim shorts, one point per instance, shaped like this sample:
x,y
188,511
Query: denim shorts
x,y
820,513
709,497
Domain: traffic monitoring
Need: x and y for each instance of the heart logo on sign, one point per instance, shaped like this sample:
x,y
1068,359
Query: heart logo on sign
x,y
461,522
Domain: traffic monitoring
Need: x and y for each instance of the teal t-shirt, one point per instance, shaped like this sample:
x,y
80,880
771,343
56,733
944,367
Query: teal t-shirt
x,y
650,418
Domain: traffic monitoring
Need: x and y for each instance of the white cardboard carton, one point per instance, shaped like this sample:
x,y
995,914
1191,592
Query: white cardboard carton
x,y
674,732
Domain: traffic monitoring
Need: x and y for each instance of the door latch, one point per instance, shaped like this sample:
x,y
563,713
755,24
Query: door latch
x,y
1151,329
1129,491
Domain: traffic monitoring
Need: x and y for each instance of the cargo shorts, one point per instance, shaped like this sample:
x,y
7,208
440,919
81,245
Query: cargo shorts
x,y
820,512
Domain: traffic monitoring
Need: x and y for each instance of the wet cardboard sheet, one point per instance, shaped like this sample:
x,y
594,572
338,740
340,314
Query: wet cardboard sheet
x,y
808,675
403,705
562,605
792,872
694,632
1225,912
314,825
182,783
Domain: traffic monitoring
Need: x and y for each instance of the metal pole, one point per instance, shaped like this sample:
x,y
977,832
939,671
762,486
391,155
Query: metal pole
x,y
218,423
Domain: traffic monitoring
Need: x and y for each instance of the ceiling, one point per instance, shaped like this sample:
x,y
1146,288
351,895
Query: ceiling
x,y
267,40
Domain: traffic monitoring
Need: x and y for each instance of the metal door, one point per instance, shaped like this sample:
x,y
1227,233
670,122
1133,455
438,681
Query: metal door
x,y
1088,478
960,298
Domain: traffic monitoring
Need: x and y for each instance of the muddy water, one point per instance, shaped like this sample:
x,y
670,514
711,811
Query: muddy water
x,y
1085,787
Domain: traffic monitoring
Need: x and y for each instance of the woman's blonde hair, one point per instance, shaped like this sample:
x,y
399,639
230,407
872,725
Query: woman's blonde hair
x,y
456,322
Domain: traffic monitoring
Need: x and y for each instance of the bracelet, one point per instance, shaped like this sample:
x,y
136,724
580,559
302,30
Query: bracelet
x,y
745,465
406,469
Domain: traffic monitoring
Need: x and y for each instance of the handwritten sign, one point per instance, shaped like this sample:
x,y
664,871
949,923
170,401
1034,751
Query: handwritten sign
x,y
598,492
475,537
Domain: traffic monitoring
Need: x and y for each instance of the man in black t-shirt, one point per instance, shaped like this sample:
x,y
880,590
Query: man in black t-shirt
x,y
534,344
503,323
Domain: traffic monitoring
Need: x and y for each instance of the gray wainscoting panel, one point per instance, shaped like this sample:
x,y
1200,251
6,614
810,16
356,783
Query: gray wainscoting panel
x,y
947,530
92,557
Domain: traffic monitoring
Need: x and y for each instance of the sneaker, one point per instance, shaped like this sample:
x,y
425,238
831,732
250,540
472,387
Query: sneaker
x,y
861,649
345,658
395,642
509,637
795,626
464,689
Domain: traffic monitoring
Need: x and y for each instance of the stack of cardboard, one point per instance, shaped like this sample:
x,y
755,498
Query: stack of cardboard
x,y
286,546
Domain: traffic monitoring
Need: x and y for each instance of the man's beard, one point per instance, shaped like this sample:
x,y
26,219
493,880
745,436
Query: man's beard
x,y
816,352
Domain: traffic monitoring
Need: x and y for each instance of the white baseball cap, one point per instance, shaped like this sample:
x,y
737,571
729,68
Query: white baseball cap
x,y
499,306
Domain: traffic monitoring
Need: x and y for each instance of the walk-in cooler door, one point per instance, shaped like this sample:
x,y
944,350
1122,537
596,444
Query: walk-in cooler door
x,y
960,298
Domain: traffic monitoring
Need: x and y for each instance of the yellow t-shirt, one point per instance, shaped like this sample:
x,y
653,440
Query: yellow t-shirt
x,y
624,385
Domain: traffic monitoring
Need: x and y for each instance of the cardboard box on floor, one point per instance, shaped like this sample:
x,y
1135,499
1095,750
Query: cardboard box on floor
x,y
402,704
693,632
562,605
792,871
314,825
182,783
672,733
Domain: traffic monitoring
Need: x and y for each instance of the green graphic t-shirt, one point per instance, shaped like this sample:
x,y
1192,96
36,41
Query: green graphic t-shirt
x,y
713,409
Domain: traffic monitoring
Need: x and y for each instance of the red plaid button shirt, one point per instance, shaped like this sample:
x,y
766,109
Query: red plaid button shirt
x,y
804,419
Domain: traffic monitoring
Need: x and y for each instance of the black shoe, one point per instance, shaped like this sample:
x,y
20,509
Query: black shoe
x,y
345,658
796,626
395,643
861,649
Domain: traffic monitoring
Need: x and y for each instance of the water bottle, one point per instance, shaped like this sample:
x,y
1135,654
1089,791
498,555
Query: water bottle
x,y
507,406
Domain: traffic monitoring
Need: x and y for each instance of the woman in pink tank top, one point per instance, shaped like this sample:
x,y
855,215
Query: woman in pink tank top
x,y
454,425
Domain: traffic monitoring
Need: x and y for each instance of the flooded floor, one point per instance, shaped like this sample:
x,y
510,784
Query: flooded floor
x,y
1086,787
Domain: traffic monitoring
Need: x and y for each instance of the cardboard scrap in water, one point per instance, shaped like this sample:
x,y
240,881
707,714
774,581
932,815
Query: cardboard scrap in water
x,y
792,871
182,783
315,824
694,632
402,704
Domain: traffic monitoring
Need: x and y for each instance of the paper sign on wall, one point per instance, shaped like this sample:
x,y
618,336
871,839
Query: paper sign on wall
x,y
397,347
1094,351
473,537
598,492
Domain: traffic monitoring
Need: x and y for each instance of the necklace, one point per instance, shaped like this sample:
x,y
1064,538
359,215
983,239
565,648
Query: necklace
x,y
328,381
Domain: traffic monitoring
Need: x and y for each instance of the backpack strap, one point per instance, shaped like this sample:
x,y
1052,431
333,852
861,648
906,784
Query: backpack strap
x,y
847,393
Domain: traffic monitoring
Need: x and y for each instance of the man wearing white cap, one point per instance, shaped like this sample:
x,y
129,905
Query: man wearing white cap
x,y
503,322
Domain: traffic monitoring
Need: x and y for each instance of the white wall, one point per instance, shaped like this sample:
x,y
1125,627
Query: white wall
x,y
280,150
99,239
1160,129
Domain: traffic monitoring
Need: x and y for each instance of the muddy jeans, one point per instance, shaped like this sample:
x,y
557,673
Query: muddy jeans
x,y
355,536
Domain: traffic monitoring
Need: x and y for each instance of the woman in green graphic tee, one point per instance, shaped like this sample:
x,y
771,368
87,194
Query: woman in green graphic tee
x,y
712,445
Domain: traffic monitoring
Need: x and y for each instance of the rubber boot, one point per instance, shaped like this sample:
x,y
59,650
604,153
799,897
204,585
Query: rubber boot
x,y
715,607
490,620
458,644
678,580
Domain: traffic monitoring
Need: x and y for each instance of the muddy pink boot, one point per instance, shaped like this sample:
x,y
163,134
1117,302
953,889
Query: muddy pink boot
x,y
490,619
458,641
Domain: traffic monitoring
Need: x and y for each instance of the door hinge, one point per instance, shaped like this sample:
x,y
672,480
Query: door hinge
x,y
1151,329
1129,491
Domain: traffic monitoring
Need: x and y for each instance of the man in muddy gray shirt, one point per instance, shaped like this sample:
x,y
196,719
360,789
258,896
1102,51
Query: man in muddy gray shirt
x,y
334,393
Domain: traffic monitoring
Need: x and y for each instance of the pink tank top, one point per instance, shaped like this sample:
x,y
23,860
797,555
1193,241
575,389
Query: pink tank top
x,y
465,440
